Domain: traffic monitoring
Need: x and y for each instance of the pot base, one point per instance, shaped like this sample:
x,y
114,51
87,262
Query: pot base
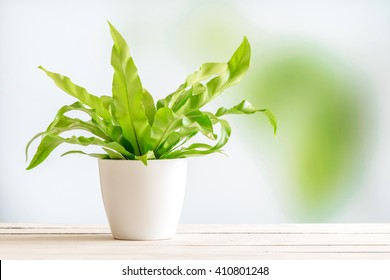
x,y
144,239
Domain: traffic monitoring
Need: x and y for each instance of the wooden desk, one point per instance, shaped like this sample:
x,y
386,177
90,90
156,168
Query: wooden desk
x,y
284,241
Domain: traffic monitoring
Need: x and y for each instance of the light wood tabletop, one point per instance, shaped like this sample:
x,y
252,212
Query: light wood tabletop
x,y
200,241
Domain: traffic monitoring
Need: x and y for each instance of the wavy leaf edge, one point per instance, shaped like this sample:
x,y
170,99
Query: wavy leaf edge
x,y
129,125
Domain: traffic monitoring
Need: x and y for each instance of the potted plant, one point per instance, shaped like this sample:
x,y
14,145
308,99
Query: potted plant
x,y
144,145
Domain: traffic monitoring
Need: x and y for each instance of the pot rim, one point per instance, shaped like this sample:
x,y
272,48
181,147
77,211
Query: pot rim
x,y
136,161
126,160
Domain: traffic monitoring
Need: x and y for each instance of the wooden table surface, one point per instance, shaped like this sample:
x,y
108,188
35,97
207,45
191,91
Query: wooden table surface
x,y
207,241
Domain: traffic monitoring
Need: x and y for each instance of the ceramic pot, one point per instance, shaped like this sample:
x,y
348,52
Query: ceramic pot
x,y
143,202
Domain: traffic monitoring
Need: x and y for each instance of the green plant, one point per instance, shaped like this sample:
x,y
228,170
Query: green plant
x,y
130,126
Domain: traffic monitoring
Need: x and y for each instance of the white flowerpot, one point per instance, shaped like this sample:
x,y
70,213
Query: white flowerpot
x,y
143,202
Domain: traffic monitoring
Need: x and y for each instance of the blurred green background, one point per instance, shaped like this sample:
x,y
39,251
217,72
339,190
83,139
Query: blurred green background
x,y
321,67
321,101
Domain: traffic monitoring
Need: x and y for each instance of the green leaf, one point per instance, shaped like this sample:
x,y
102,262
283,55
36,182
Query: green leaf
x,y
30,142
62,123
150,109
113,155
110,154
80,93
239,63
145,157
165,123
168,144
176,140
201,122
65,123
113,131
47,145
272,119
86,141
168,129
205,72
245,107
215,77
50,142
102,156
198,149
128,95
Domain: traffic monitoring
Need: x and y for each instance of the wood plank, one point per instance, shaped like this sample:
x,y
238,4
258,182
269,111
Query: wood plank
x,y
297,241
23,228
285,228
6,228
202,239
197,252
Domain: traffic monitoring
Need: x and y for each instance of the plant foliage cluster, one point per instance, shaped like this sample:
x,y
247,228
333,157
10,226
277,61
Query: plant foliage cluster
x,y
129,125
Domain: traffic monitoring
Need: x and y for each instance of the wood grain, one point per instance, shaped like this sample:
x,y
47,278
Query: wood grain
x,y
295,241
